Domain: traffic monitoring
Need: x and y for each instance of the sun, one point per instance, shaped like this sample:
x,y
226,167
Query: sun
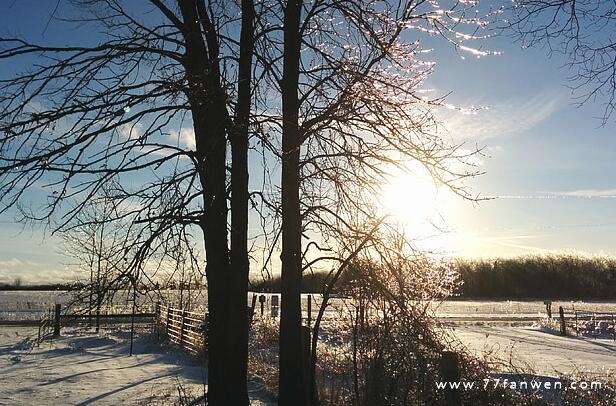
x,y
415,201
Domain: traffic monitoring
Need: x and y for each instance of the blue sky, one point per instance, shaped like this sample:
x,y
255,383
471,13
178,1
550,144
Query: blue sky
x,y
549,165
550,162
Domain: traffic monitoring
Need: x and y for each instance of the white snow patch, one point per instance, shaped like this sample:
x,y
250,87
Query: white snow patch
x,y
546,353
86,368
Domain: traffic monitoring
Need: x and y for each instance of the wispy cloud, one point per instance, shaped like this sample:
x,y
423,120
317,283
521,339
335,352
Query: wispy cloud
x,y
185,137
33,272
131,130
573,194
502,119
590,193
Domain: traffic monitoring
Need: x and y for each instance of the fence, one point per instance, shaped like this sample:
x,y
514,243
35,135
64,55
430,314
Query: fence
x,y
587,322
53,320
78,319
45,324
268,305
186,329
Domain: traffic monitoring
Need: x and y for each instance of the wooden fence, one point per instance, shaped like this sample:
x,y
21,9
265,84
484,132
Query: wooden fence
x,y
186,329
123,318
45,326
53,320
593,323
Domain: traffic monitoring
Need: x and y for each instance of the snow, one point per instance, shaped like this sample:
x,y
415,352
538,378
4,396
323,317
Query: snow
x,y
544,352
85,368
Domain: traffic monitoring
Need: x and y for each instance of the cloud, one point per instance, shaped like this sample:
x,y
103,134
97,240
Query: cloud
x,y
185,137
573,194
504,119
34,272
590,193
131,131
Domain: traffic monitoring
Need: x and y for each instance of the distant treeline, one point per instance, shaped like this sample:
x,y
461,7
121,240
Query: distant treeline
x,y
81,286
54,286
527,277
551,276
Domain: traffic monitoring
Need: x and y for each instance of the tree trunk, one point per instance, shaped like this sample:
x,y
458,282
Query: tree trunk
x,y
237,333
209,115
292,388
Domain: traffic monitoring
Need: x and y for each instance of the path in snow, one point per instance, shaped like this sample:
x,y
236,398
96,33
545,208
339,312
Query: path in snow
x,y
546,353
79,369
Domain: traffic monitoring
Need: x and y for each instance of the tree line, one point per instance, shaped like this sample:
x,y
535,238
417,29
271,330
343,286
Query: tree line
x,y
539,277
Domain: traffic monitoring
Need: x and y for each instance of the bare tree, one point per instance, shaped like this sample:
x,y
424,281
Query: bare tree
x,y
292,382
349,75
97,244
581,30
153,104
183,273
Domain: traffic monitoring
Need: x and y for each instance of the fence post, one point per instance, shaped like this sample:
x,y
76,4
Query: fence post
x,y
450,372
251,313
563,327
156,320
274,305
56,321
309,310
548,307
262,304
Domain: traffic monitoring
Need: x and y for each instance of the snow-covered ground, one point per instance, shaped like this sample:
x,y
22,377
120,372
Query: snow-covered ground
x,y
85,368
544,352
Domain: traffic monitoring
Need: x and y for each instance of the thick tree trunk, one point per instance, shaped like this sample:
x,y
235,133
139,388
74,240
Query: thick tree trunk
x,y
214,227
226,382
237,332
292,387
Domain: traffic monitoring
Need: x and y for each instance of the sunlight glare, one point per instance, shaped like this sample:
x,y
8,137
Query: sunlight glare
x,y
420,206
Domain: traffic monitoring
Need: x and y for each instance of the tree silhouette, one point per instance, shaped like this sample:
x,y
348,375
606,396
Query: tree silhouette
x,y
352,106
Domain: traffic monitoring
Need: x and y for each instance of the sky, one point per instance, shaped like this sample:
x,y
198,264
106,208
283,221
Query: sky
x,y
548,164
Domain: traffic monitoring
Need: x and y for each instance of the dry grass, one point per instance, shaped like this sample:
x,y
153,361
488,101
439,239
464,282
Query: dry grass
x,y
263,353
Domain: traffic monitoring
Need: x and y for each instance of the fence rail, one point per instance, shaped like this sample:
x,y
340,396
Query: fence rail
x,y
53,320
186,329
74,319
600,323
587,322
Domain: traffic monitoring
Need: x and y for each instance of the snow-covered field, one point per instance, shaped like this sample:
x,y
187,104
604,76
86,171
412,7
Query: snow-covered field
x,y
85,368
531,348
82,367
32,305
